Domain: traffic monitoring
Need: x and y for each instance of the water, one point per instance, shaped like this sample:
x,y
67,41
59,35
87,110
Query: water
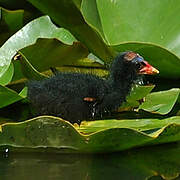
x,y
156,162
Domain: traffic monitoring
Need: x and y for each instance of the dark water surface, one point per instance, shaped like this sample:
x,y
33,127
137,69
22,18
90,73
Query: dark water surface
x,y
153,163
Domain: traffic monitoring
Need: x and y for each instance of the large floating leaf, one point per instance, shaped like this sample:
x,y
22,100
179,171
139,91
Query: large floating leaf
x,y
157,56
152,29
161,102
112,20
38,28
41,132
53,132
67,14
88,127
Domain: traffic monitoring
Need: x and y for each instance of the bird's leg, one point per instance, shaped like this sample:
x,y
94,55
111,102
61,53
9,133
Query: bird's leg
x,y
93,113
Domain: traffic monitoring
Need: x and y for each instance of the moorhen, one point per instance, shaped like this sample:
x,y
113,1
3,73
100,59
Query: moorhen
x,y
76,97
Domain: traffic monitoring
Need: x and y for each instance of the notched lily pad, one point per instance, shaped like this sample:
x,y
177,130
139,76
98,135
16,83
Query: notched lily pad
x,y
161,102
53,132
136,95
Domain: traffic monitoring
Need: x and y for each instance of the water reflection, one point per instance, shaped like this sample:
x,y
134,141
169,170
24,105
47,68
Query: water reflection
x,y
153,163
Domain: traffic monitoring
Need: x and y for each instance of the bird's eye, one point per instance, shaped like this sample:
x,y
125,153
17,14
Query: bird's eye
x,y
138,65
139,62
143,63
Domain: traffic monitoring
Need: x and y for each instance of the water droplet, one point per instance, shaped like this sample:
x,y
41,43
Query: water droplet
x,y
6,154
93,113
6,150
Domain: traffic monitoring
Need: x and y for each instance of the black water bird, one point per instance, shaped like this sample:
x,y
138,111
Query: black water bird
x,y
76,97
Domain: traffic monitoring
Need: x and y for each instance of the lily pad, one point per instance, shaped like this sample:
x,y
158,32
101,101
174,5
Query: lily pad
x,y
158,56
118,27
136,95
161,102
39,28
67,14
52,132
89,127
148,35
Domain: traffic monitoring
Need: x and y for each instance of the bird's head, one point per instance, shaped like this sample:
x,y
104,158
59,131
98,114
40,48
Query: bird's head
x,y
138,62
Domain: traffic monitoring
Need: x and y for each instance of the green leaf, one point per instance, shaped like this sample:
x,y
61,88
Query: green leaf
x,y
39,28
67,14
93,19
89,127
161,102
48,53
41,132
14,4
137,93
150,33
10,22
157,56
52,132
8,96
117,27
29,71
23,92
7,76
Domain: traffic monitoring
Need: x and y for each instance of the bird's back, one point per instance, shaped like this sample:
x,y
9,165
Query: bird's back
x,y
64,94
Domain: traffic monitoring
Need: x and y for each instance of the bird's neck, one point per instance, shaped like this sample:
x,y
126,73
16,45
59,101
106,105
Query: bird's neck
x,y
122,76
